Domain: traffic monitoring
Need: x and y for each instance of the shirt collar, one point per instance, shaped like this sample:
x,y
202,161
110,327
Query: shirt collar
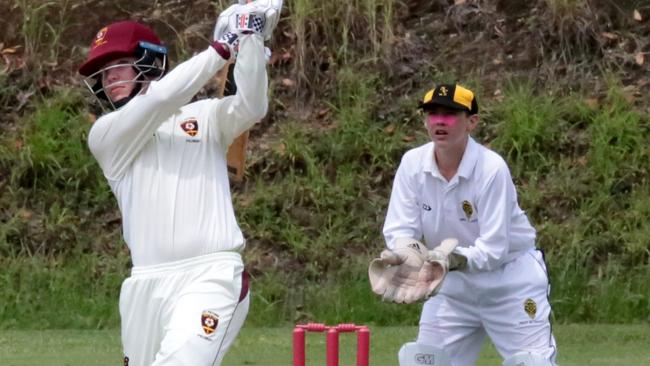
x,y
467,163
429,163
470,157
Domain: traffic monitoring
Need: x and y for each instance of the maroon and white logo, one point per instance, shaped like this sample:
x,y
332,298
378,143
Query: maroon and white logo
x,y
209,322
100,38
190,126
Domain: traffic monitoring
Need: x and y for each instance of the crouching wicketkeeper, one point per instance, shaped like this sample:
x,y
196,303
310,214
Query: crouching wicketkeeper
x,y
489,279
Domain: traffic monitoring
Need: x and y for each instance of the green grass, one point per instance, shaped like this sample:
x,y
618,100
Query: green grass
x,y
579,345
83,292
64,293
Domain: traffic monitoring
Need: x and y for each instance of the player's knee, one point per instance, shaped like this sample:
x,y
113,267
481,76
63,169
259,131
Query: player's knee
x,y
416,354
527,359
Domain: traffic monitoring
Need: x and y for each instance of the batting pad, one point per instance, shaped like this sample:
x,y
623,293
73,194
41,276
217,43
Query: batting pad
x,y
415,354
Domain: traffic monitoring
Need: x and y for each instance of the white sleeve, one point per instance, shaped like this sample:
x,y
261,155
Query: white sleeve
x,y
495,203
403,216
237,113
118,137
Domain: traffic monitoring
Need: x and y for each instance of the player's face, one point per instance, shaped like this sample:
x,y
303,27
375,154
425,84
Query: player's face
x,y
448,127
117,78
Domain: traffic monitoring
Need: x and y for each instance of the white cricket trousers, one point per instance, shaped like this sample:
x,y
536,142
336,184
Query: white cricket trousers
x,y
183,313
509,304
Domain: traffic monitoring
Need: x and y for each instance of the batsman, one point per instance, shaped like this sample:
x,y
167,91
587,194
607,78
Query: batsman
x,y
458,240
165,161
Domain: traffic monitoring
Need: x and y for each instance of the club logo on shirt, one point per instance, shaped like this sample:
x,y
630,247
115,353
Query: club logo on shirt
x,y
126,361
467,209
190,126
209,321
530,307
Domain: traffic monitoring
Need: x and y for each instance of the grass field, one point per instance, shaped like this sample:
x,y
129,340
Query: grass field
x,y
579,345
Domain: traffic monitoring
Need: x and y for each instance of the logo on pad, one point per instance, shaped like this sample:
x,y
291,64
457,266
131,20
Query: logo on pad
x,y
425,359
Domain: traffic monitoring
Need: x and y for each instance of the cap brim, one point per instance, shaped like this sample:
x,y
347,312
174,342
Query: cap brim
x,y
93,65
444,103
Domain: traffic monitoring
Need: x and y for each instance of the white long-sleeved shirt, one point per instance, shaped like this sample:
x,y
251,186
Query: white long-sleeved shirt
x,y
478,206
165,160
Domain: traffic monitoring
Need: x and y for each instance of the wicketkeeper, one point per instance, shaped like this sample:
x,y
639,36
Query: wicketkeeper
x,y
164,159
458,239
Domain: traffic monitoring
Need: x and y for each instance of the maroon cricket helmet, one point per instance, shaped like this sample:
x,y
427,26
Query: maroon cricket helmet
x,y
116,40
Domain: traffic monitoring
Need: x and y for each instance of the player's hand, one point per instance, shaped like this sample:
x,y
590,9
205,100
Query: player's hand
x,y
270,10
259,17
230,41
411,273
435,268
395,275
444,254
238,19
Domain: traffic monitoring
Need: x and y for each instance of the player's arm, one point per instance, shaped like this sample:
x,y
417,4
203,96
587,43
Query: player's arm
x,y
237,113
394,275
403,215
116,138
495,204
407,271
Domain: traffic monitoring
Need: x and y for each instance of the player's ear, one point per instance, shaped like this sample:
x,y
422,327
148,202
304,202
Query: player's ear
x,y
473,122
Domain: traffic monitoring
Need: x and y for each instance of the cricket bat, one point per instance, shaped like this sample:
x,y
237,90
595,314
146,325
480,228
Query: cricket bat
x,y
236,156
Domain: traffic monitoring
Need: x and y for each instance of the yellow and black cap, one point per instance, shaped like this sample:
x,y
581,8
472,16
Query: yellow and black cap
x,y
452,96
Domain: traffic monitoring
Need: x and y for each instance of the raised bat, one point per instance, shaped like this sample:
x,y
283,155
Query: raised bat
x,y
236,156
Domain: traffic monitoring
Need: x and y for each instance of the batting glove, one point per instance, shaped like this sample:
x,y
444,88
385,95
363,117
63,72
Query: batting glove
x,y
270,9
259,17
230,42
239,19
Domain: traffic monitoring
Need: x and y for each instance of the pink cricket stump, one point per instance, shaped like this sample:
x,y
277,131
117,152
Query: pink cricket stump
x,y
332,342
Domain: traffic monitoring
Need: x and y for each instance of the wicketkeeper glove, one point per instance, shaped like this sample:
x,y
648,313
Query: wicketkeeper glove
x,y
410,272
394,275
439,261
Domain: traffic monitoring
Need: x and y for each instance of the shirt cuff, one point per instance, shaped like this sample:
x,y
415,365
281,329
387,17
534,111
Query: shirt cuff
x,y
222,50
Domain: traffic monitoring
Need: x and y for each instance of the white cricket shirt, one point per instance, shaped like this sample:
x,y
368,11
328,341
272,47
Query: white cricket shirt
x,y
478,206
166,161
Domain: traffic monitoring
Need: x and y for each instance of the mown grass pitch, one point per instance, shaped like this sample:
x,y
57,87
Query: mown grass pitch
x,y
579,345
